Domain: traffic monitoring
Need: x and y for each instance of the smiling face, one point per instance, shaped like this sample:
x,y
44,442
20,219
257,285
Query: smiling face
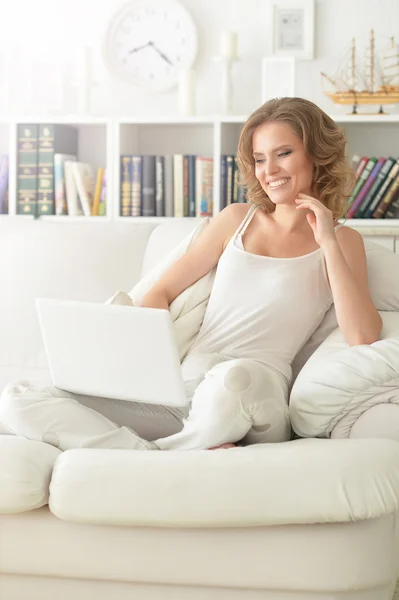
x,y
281,165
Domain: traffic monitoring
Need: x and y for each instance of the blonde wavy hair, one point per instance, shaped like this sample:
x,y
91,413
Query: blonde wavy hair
x,y
324,143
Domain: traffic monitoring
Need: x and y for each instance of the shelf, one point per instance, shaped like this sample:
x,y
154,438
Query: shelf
x,y
102,139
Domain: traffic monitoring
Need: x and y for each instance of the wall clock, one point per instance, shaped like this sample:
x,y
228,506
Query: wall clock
x,y
148,42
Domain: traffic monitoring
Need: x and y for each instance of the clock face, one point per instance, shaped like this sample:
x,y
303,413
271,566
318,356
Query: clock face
x,y
149,42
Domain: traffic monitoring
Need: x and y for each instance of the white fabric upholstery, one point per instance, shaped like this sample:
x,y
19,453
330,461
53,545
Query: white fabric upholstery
x,y
351,561
77,260
89,261
188,309
261,485
25,472
339,383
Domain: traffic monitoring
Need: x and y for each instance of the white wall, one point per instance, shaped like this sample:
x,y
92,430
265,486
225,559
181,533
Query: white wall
x,y
56,27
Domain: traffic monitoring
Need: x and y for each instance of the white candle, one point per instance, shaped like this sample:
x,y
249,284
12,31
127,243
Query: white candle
x,y
85,80
186,92
229,44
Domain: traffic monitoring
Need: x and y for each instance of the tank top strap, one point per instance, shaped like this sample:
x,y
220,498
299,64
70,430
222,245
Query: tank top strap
x,y
246,221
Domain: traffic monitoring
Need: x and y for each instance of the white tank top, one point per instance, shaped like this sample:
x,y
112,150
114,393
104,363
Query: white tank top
x,y
263,308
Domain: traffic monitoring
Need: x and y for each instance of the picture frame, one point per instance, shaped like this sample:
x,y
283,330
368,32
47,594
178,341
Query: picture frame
x,y
293,28
278,77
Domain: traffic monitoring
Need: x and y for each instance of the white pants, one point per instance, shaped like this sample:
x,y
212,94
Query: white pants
x,y
230,401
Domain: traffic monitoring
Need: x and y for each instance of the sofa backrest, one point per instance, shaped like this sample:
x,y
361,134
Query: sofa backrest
x,y
70,260
164,239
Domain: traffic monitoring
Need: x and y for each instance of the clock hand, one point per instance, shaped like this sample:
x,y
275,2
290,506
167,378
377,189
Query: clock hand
x,y
140,47
161,54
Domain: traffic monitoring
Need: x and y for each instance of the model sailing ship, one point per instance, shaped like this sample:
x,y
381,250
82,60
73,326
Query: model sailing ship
x,y
377,82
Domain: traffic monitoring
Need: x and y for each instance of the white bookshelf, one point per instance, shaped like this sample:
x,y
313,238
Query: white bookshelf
x,y
101,141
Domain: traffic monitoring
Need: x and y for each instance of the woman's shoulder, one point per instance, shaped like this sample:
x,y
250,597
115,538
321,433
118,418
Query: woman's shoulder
x,y
348,238
234,215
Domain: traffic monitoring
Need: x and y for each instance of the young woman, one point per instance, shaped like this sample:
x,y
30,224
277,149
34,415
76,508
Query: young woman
x,y
282,260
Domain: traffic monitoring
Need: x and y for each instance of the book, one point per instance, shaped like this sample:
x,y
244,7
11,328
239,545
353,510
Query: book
x,y
159,186
388,198
191,186
362,178
102,208
168,186
382,191
125,185
61,205
229,178
186,190
27,169
223,181
148,186
393,209
84,179
360,166
53,139
74,206
136,181
4,176
379,180
178,193
204,186
97,191
365,188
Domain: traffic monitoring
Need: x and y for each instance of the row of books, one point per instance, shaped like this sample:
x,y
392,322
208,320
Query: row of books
x,y
50,179
230,190
178,185
4,174
376,192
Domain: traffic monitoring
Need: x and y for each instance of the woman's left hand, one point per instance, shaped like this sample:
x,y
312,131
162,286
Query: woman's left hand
x,y
320,218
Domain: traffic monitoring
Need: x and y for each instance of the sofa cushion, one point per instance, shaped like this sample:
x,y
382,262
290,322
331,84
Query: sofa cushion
x,y
302,481
340,382
25,472
188,309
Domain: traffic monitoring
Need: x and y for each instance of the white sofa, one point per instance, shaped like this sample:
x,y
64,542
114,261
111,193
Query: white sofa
x,y
310,518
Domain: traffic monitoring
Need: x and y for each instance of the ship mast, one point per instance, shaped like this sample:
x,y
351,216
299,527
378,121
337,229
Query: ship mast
x,y
353,63
372,60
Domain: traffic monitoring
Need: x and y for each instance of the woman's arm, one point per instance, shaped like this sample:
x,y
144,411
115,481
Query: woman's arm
x,y
346,264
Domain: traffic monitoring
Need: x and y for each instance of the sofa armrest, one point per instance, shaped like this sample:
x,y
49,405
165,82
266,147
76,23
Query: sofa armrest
x,y
340,383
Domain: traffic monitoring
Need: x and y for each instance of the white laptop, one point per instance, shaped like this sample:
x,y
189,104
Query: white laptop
x,y
112,351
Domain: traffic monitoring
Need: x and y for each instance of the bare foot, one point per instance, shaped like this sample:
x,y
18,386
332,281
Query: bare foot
x,y
223,446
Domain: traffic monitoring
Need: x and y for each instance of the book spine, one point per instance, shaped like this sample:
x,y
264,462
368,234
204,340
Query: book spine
x,y
148,186
191,185
382,191
365,188
126,185
159,186
97,191
235,181
186,190
27,169
102,208
169,186
223,181
387,199
393,210
45,191
178,185
136,178
204,186
379,180
4,175
362,179
229,178
360,166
